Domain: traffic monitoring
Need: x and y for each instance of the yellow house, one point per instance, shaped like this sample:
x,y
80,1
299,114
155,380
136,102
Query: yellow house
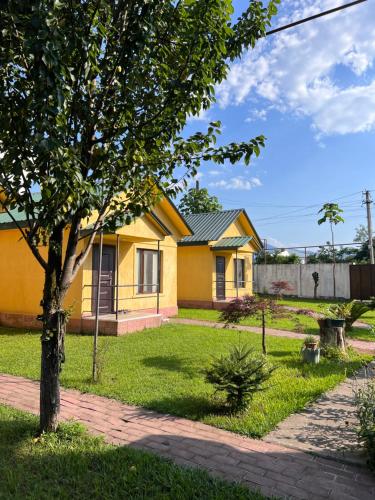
x,y
138,279
215,264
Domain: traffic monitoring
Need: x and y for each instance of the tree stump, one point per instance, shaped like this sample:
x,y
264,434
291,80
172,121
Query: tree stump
x,y
332,335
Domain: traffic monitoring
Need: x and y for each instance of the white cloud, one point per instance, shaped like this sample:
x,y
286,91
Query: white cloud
x,y
203,116
257,114
301,70
237,183
214,172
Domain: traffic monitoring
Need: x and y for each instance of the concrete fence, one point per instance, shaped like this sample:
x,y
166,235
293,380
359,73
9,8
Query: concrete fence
x,y
299,276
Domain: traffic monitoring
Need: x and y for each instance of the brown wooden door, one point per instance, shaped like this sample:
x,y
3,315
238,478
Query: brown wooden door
x,y
220,278
362,281
107,279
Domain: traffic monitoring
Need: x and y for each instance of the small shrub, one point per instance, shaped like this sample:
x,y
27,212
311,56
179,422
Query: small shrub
x,y
365,402
333,353
252,306
239,374
280,287
310,339
101,357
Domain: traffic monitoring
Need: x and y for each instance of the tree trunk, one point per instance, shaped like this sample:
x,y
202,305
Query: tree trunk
x,y
334,263
332,335
54,319
52,357
264,347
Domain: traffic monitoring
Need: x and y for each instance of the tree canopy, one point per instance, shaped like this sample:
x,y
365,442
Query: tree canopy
x,y
94,97
198,200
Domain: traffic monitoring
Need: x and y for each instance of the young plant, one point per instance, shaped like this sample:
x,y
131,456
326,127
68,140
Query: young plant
x,y
240,374
365,403
280,287
310,341
331,213
252,306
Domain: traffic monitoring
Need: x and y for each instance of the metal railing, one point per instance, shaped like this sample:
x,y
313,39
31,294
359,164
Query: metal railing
x,y
115,299
236,286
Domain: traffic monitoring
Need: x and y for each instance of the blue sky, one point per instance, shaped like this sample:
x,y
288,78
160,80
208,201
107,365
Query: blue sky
x,y
311,91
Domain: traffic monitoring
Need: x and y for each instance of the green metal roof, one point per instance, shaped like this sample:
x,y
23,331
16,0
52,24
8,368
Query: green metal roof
x,y
232,242
6,221
209,226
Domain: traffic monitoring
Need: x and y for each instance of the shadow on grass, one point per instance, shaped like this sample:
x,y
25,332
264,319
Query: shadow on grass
x,y
4,331
189,406
73,465
172,363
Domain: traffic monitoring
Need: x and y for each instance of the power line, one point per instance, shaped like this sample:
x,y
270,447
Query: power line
x,y
278,216
315,16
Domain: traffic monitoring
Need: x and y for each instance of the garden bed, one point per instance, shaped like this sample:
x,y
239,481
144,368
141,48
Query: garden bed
x,y
162,369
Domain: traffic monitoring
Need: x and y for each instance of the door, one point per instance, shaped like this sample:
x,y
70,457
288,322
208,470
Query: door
x,y
107,279
220,278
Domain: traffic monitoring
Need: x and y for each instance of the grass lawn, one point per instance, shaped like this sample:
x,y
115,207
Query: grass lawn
x,y
162,369
292,322
73,465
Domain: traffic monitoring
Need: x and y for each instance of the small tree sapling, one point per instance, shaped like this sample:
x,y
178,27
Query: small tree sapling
x,y
252,306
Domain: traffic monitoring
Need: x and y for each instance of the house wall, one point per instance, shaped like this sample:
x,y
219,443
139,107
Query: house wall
x,y
195,266
22,280
197,271
129,298
22,277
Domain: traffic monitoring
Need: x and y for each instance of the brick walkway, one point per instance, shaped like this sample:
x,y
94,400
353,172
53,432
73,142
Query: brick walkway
x,y
274,469
360,345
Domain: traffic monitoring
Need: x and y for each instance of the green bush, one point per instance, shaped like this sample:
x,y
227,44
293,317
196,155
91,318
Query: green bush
x,y
365,402
334,353
240,374
349,311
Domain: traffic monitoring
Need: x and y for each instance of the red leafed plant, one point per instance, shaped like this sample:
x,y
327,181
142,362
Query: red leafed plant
x,y
280,287
250,305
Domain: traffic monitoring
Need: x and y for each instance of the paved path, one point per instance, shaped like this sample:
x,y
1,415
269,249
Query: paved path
x,y
360,345
327,427
274,469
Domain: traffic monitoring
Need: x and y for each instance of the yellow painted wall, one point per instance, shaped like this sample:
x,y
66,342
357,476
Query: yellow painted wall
x,y
197,268
22,278
143,233
129,298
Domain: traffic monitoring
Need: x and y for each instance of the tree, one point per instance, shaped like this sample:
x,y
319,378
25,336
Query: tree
x,y
361,234
280,287
276,258
331,213
94,96
198,201
251,306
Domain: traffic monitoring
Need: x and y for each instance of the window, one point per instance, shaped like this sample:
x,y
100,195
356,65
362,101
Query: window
x,y
239,277
147,271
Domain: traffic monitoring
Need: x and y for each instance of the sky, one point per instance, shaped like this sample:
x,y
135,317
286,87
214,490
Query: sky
x,y
311,91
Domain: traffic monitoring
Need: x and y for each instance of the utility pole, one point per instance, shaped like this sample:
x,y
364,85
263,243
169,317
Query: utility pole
x,y
368,202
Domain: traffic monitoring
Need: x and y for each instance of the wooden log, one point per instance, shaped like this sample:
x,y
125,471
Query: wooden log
x,y
332,335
